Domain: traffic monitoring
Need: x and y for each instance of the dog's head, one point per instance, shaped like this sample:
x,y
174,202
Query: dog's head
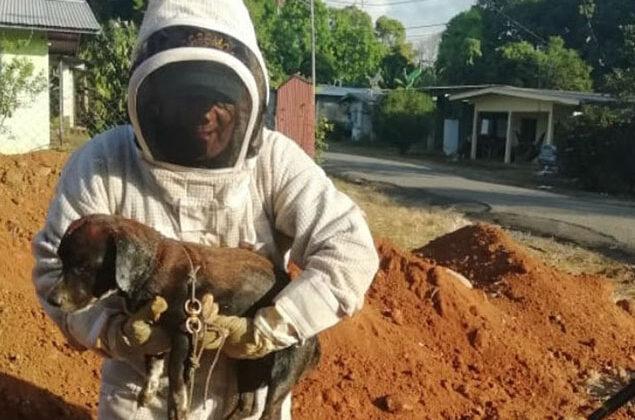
x,y
99,256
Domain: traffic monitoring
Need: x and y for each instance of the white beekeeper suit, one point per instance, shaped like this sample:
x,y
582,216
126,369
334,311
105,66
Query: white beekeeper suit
x,y
262,191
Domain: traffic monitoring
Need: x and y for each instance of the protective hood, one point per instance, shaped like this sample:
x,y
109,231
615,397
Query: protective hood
x,y
198,89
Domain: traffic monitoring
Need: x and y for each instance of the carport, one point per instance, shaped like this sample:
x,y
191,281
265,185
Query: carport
x,y
518,119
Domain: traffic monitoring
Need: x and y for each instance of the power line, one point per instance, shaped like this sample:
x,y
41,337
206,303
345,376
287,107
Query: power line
x,y
432,25
520,25
394,3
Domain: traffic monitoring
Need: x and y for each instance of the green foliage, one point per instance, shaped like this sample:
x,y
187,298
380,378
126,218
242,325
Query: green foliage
x,y
555,67
598,148
359,52
621,81
19,83
348,47
470,50
461,48
391,33
410,78
322,130
397,53
108,57
126,10
404,117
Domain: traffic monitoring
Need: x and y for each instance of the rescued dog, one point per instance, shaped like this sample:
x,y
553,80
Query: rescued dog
x,y
102,254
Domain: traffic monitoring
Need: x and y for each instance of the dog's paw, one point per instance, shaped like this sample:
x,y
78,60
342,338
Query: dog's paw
x,y
154,366
146,398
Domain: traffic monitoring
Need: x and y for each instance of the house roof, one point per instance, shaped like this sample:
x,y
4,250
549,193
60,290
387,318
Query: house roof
x,y
453,89
295,77
329,90
564,97
368,97
347,93
49,15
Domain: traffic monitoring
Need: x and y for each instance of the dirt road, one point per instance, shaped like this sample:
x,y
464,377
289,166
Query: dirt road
x,y
593,223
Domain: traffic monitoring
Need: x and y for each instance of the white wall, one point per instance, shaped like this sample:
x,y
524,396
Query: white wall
x,y
28,128
68,94
499,103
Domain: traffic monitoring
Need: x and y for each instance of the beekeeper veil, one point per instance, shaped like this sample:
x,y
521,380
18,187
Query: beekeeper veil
x,y
198,88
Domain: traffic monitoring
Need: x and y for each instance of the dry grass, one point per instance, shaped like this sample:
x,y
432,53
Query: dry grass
x,y
577,260
408,227
415,224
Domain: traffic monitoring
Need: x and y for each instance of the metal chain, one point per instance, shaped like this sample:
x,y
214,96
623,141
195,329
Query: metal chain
x,y
195,326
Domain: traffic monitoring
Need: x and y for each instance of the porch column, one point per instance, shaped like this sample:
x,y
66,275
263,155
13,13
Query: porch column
x,y
474,133
549,139
508,139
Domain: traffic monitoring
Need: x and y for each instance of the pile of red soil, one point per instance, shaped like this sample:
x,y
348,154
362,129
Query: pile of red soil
x,y
41,376
523,343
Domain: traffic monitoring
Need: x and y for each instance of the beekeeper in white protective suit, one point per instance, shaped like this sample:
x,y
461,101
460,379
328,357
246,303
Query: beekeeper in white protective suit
x,y
197,165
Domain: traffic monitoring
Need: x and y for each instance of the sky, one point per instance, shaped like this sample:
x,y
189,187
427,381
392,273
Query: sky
x,y
412,13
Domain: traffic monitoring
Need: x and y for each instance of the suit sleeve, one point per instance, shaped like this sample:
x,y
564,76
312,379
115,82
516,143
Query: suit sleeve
x,y
81,190
331,242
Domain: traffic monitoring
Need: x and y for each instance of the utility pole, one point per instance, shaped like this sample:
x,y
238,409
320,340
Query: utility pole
x,y
313,46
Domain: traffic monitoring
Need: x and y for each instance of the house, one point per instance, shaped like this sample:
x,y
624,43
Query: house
x,y
507,123
47,33
349,108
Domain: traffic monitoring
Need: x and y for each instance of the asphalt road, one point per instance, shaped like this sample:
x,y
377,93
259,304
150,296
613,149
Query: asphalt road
x,y
596,223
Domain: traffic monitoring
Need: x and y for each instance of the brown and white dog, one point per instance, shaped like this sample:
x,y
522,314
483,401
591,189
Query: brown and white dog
x,y
102,254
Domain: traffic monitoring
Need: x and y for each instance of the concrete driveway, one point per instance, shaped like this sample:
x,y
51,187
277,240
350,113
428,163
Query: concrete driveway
x,y
595,223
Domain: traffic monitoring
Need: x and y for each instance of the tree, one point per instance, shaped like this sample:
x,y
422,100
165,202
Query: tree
x,y
471,45
390,32
460,51
598,148
555,67
347,47
621,80
19,82
126,10
593,28
108,56
290,49
397,55
404,117
356,50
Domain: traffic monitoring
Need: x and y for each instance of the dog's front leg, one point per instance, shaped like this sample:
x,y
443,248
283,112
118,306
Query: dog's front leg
x,y
177,399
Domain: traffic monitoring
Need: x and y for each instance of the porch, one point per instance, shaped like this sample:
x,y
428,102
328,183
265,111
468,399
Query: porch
x,y
512,123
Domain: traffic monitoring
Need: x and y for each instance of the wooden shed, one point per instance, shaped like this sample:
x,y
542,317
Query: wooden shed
x,y
295,112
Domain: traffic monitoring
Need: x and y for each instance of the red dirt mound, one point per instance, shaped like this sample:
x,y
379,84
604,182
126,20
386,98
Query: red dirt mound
x,y
521,344
40,375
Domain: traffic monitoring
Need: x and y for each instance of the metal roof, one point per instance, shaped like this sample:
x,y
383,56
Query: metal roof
x,y
51,15
329,90
560,96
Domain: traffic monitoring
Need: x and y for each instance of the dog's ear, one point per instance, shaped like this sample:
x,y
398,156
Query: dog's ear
x,y
132,263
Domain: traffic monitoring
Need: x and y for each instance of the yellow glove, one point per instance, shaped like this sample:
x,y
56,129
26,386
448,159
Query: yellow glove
x,y
239,338
134,334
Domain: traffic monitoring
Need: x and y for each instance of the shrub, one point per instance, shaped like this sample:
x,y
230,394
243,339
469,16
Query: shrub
x,y
108,57
404,117
322,130
598,147
19,82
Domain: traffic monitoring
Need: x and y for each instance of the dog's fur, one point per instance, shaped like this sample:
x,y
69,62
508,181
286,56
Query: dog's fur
x,y
104,253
